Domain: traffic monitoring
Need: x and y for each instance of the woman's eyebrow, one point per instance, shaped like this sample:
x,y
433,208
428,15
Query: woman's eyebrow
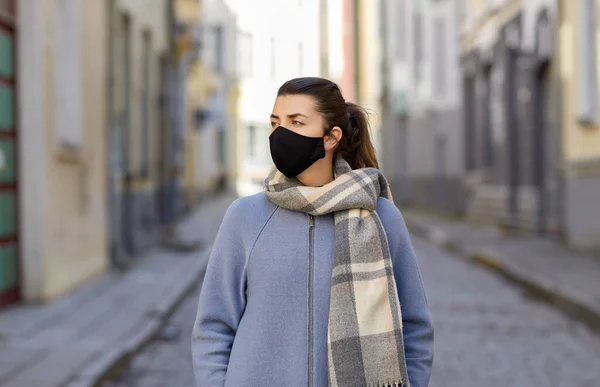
x,y
290,116
297,115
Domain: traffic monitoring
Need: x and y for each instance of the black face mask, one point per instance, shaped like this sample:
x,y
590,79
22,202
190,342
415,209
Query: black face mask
x,y
293,153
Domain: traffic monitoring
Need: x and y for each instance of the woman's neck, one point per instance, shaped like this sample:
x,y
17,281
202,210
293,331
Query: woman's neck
x,y
318,175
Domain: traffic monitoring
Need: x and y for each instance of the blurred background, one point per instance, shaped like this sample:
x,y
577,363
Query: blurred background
x,y
128,126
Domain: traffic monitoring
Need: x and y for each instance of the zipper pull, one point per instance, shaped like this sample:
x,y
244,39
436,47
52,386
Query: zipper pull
x,y
312,220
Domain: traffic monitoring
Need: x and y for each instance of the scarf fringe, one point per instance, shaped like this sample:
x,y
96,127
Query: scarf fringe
x,y
388,384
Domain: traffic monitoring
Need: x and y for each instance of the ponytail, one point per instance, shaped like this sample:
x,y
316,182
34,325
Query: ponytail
x,y
357,147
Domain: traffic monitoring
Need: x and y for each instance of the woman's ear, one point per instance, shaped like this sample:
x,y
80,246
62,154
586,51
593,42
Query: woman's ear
x,y
333,138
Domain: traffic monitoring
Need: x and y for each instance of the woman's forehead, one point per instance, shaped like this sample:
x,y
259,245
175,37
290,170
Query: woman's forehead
x,y
293,104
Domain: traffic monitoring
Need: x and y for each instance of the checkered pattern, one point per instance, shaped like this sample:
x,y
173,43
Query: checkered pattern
x,y
365,342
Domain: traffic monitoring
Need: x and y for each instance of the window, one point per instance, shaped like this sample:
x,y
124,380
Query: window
x,y
441,62
252,142
145,134
587,61
67,59
219,49
245,56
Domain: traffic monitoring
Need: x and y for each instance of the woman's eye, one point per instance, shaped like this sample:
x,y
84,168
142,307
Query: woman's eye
x,y
273,124
297,123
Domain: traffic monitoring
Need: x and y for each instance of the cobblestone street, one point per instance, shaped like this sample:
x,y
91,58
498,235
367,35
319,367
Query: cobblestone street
x,y
487,334
165,363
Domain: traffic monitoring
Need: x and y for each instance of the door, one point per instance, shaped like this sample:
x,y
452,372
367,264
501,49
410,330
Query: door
x,y
9,272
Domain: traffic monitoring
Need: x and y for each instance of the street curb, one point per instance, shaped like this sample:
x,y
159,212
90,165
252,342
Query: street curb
x,y
110,363
569,304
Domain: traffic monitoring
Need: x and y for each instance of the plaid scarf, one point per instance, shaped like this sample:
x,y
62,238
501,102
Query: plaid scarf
x,y
365,341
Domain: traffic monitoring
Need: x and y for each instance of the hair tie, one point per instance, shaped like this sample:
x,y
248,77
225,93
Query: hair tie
x,y
353,123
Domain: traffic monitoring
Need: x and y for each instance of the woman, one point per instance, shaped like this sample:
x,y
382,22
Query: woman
x,y
314,282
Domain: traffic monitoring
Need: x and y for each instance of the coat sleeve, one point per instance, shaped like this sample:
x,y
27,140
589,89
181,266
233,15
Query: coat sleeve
x,y
221,304
416,318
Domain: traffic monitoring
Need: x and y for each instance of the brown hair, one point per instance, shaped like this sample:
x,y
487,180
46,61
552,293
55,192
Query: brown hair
x,y
356,146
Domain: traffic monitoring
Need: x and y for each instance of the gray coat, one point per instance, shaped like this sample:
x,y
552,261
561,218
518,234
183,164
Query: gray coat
x,y
252,326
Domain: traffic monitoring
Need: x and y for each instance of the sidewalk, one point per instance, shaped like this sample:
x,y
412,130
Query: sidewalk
x,y
81,337
568,280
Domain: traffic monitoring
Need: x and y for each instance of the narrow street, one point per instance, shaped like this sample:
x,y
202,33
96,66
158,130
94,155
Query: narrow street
x,y
487,334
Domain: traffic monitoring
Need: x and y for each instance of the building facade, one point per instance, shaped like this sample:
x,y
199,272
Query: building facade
x,y
137,48
195,81
538,185
55,113
274,45
490,44
422,127
220,108
512,130
579,66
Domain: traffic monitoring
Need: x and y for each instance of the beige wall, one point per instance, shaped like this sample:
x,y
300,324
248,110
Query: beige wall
x,y
200,170
188,12
201,84
579,141
233,113
74,215
63,209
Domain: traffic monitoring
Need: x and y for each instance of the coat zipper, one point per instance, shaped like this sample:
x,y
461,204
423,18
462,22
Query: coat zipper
x,y
311,226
